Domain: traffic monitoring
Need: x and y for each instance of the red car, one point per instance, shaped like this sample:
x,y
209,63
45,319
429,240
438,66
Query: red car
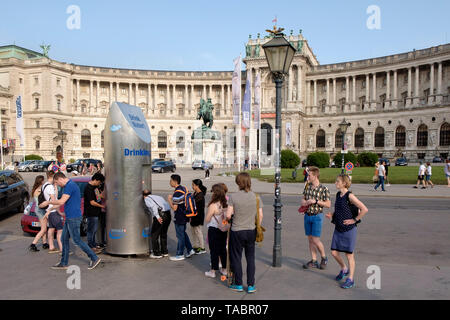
x,y
30,222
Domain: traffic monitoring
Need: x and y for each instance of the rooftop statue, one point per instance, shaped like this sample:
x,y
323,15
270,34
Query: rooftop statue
x,y
45,49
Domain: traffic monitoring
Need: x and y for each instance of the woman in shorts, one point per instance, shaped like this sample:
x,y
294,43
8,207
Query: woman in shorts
x,y
40,213
344,236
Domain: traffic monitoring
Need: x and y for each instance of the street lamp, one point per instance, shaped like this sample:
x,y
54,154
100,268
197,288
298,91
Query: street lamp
x,y
279,54
62,136
343,126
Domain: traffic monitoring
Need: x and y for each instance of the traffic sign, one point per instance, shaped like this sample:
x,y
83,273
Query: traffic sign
x,y
349,166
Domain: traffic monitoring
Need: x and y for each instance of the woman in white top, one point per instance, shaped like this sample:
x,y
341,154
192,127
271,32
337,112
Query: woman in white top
x,y
217,239
428,175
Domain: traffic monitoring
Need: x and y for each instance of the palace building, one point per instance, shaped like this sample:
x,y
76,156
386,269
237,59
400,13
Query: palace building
x,y
397,104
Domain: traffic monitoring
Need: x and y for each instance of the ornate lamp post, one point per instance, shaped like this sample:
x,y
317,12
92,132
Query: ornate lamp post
x,y
343,126
279,54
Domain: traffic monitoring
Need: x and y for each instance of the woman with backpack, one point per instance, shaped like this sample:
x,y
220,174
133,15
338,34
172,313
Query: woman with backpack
x,y
348,211
217,230
197,221
40,213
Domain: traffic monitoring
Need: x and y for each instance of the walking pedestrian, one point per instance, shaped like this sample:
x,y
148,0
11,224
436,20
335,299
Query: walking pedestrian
x,y
206,168
40,213
428,175
53,214
381,176
177,203
71,199
447,171
93,209
421,176
316,196
243,207
160,212
344,236
197,221
386,168
305,173
217,239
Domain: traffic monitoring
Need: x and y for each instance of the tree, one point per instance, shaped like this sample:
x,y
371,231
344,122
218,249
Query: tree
x,y
367,159
348,157
319,159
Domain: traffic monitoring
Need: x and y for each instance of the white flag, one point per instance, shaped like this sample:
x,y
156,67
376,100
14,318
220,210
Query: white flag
x,y
19,121
257,104
288,133
236,90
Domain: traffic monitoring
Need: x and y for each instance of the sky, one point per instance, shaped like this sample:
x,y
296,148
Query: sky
x,y
201,35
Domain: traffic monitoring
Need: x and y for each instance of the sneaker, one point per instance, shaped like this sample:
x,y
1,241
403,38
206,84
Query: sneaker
x,y
177,258
237,288
165,254
210,274
388,185
323,263
93,264
70,253
223,271
54,250
423,188
59,266
200,251
342,274
251,289
33,248
45,246
190,254
416,187
152,256
311,264
348,284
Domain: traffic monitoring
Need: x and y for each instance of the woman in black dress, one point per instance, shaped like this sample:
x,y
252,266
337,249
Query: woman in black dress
x,y
197,222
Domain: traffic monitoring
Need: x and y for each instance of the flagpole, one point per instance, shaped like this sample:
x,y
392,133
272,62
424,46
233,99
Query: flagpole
x,y
1,140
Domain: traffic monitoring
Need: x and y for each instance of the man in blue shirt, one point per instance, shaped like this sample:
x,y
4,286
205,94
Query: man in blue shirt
x,y
176,202
71,199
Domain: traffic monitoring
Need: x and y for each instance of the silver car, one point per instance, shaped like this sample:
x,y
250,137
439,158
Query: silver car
x,y
27,166
202,165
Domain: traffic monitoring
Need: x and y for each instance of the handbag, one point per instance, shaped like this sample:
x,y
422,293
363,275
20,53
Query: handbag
x,y
303,209
259,228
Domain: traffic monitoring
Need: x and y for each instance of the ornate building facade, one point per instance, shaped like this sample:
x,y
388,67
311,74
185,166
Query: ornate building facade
x,y
396,104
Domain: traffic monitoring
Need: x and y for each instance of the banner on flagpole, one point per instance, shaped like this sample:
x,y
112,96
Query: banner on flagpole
x,y
19,120
236,90
257,104
246,106
288,133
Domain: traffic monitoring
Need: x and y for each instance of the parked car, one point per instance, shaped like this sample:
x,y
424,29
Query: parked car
x,y
41,166
27,166
78,165
14,192
401,162
385,160
30,222
202,164
163,166
438,159
157,160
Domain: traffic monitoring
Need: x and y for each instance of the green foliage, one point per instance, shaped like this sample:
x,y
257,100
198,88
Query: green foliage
x,y
33,157
289,159
348,157
319,159
367,159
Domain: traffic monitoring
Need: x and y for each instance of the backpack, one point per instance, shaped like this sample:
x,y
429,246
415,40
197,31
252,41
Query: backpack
x,y
353,209
189,204
41,197
223,224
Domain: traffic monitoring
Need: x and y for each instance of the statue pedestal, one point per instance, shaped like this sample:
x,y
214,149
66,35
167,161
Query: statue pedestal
x,y
207,145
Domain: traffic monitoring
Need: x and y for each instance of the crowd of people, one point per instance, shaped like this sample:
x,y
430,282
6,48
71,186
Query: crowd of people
x,y
231,221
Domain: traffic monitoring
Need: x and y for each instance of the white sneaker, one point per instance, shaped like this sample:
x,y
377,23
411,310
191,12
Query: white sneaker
x,y
223,271
210,274
190,254
152,256
177,258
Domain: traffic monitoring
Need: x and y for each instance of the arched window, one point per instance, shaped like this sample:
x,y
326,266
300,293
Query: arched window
x,y
103,139
180,141
400,136
359,138
422,136
338,139
320,139
85,138
444,135
162,139
379,137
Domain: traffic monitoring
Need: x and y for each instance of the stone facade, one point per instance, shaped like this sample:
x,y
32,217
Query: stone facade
x,y
394,103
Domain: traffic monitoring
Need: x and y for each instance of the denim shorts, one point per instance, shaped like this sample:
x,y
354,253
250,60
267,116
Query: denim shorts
x,y
55,221
313,225
427,177
40,213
